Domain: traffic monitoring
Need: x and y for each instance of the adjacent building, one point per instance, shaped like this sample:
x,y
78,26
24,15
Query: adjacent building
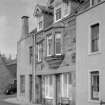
x,y
90,51
25,63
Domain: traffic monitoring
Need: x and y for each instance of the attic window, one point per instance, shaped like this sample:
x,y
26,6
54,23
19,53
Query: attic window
x,y
58,14
67,1
40,25
37,10
73,58
95,2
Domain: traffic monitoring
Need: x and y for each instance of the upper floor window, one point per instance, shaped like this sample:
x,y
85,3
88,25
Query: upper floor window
x,y
58,43
58,14
30,54
66,9
40,52
40,25
22,84
95,38
95,85
61,10
49,45
94,2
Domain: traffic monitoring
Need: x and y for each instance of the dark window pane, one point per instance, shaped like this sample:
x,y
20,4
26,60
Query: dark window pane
x,y
58,44
94,37
95,85
58,14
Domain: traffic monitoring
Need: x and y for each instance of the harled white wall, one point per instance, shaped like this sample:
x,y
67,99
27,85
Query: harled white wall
x,y
85,61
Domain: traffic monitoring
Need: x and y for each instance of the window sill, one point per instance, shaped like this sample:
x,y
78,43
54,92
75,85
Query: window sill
x,y
57,20
58,54
49,97
38,62
94,101
94,53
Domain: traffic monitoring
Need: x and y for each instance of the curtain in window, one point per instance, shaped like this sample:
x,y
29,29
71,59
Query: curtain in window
x,y
67,85
95,85
49,86
49,44
58,43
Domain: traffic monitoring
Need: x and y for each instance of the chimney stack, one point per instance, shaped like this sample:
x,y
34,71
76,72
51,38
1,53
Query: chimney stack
x,y
25,26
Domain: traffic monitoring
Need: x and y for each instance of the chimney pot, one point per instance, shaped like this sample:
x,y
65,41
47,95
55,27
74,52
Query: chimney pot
x,y
25,26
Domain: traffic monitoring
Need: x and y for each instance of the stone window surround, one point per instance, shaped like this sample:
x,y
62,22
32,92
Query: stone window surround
x,y
89,39
53,43
89,86
92,3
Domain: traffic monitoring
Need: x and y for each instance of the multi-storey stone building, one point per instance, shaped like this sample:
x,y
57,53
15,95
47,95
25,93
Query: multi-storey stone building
x,y
55,51
47,74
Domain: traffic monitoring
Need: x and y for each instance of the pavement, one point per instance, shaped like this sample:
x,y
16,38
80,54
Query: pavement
x,y
14,100
4,97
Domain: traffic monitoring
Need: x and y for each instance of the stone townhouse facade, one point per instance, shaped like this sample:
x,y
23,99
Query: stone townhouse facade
x,y
90,57
55,51
46,59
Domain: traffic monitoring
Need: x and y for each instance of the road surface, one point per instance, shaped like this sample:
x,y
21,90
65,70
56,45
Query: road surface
x,y
3,97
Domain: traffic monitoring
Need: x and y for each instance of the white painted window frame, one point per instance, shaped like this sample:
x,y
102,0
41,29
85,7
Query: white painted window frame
x,y
89,38
49,37
62,78
40,19
48,78
68,6
60,37
94,4
89,86
39,47
59,6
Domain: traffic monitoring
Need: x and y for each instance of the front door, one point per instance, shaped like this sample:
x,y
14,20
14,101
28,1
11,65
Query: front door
x,y
58,89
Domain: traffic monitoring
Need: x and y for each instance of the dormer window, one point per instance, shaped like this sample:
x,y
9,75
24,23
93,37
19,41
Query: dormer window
x,y
40,25
58,14
62,10
66,9
95,2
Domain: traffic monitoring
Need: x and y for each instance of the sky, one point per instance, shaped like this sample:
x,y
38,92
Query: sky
x,y
11,12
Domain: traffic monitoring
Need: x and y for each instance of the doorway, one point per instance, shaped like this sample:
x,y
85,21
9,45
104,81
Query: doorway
x,y
58,89
30,88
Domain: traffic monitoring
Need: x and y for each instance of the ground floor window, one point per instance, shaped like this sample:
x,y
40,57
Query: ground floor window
x,y
66,85
22,84
61,84
95,85
49,86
